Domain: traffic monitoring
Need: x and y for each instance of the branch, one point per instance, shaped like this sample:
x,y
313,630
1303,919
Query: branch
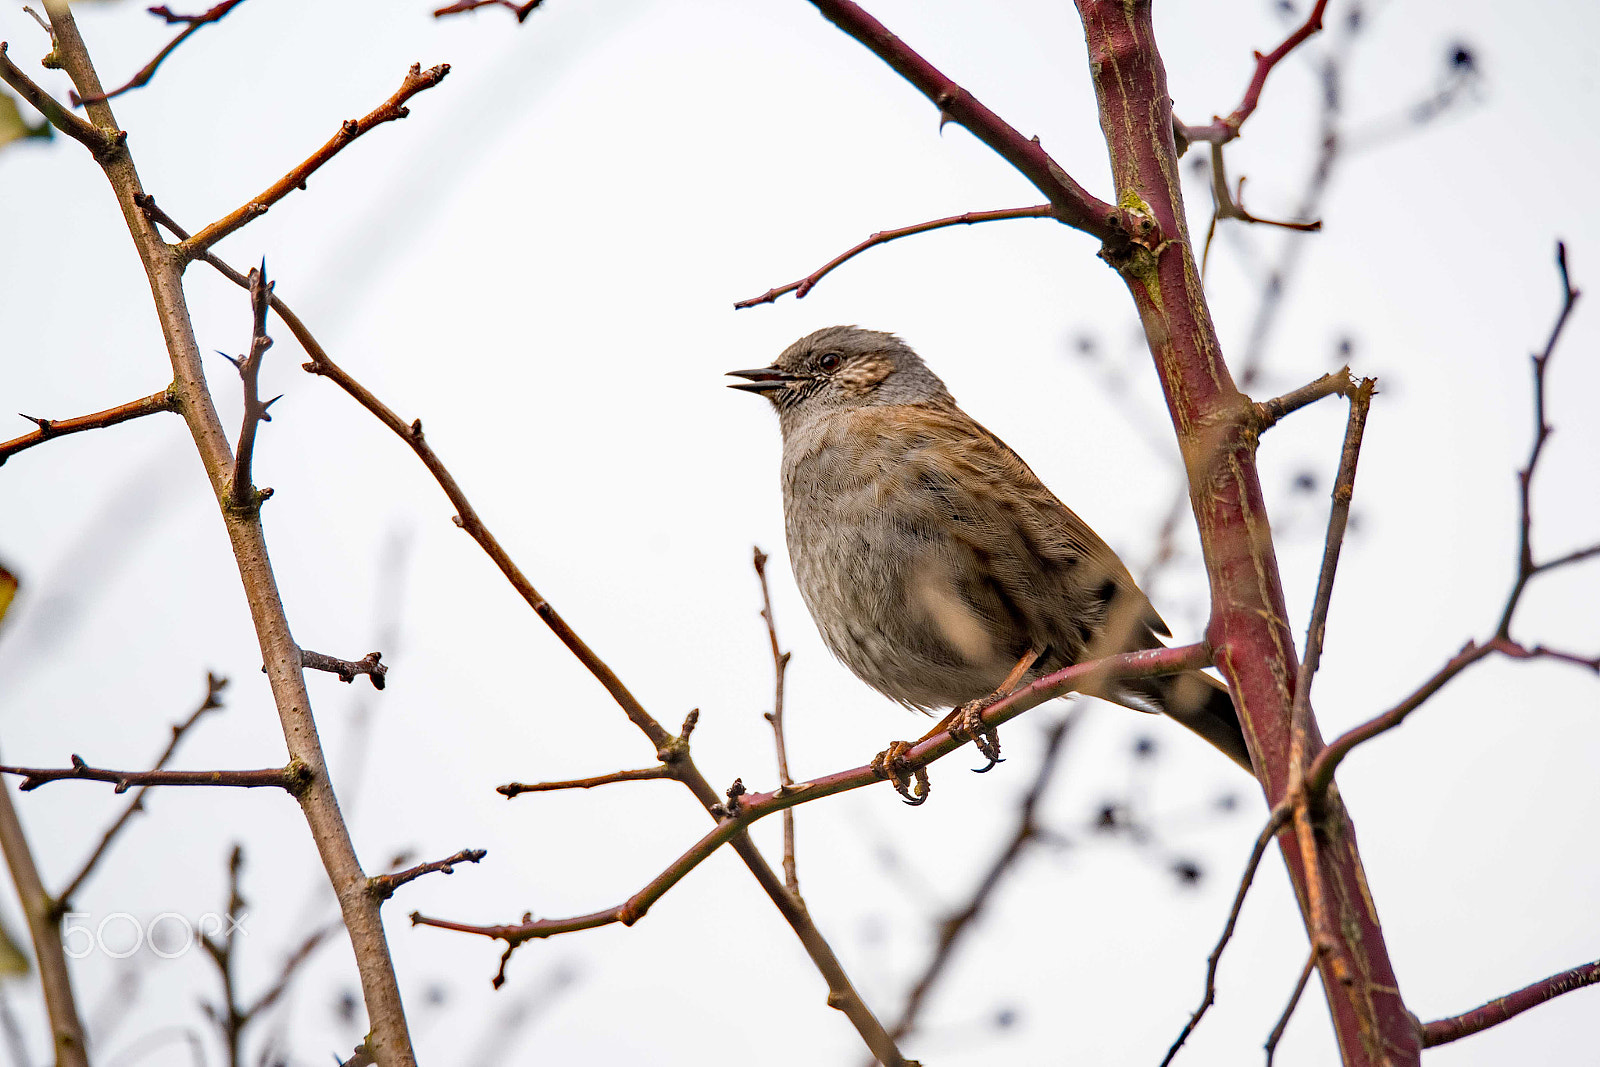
x,y
371,665
752,807
416,80
522,11
1268,413
1072,204
1273,1038
101,144
806,284
214,687
292,778
382,886
148,71
51,428
1444,1031
780,667
291,965
66,1027
643,774
1223,130
244,493
1275,822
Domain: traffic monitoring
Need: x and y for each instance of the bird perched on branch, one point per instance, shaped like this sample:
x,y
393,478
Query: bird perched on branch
x,y
935,563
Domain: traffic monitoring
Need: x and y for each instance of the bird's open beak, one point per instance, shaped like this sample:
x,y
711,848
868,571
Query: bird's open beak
x,y
762,380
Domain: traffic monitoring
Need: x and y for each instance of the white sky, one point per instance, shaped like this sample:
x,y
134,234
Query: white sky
x,y
541,263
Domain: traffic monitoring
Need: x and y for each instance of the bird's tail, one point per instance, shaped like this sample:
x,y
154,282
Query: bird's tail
x,y
1201,703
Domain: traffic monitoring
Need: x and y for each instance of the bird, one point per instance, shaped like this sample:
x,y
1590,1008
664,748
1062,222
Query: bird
x,y
936,565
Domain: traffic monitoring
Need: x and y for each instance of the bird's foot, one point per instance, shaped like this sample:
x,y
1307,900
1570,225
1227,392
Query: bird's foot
x,y
891,764
966,724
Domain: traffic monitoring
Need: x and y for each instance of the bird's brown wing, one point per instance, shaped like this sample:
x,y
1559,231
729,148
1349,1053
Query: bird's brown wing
x,y
1033,562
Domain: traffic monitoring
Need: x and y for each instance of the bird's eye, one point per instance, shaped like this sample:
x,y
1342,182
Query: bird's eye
x,y
830,361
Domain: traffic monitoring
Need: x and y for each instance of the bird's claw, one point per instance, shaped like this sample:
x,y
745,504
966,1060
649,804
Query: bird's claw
x,y
891,764
969,726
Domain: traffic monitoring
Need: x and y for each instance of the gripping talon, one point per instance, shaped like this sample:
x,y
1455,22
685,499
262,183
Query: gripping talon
x,y
891,764
968,725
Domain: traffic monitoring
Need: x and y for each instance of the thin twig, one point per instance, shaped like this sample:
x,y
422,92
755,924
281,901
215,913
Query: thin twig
x,y
214,687
1223,130
291,965
228,1017
51,428
1497,1011
643,774
416,80
383,886
780,667
1267,413
1275,821
522,11
148,71
1273,1038
255,412
291,778
805,285
371,665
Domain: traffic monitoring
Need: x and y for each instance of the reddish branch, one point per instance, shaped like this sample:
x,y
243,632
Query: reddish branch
x,y
383,886
1248,629
148,71
416,80
1223,130
1444,1031
1072,203
51,428
806,284
291,778
522,11
643,774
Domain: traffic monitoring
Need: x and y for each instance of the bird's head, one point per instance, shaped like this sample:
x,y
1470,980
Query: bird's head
x,y
842,367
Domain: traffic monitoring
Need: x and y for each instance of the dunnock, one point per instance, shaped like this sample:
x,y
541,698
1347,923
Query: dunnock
x,y
937,566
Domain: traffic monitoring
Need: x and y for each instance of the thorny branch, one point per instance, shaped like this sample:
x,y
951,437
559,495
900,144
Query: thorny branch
x,y
371,665
148,71
416,81
382,886
51,428
244,493
809,282
214,687
780,668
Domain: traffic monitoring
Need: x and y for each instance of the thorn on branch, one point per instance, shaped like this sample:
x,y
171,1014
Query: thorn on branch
x,y
53,428
243,494
382,887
